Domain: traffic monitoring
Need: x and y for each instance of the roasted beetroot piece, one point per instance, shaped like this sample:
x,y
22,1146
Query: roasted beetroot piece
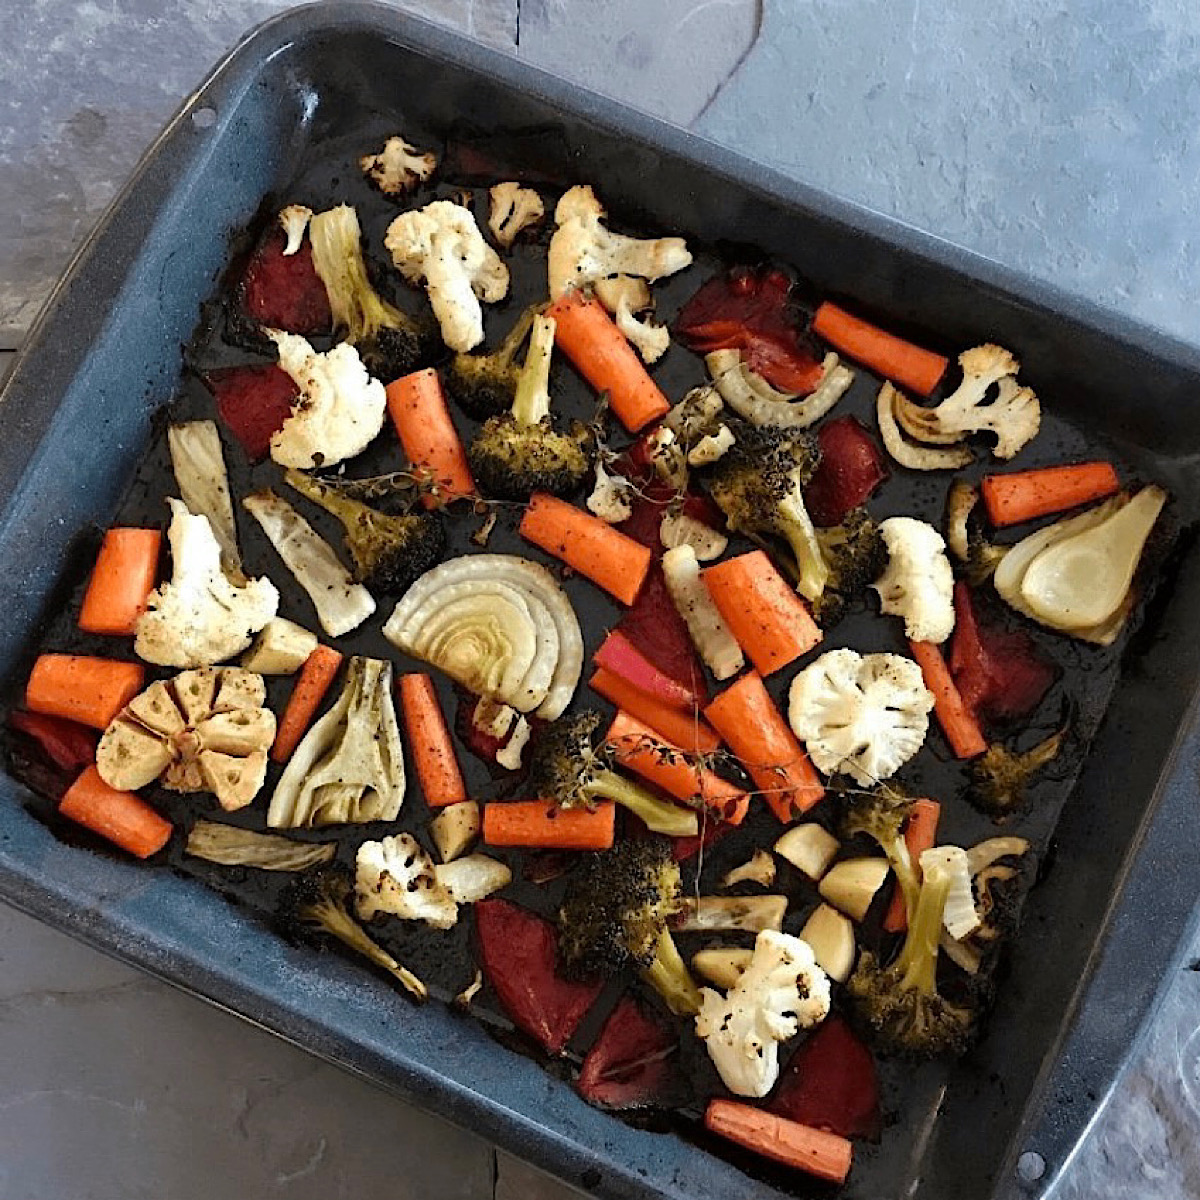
x,y
830,1083
999,672
851,468
518,952
620,656
751,311
652,624
688,847
284,291
66,744
630,1064
254,402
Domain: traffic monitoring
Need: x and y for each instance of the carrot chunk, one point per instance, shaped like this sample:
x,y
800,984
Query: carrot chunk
x,y
1026,495
426,430
123,577
124,818
892,357
825,1155
673,724
956,719
311,685
429,742
82,688
545,825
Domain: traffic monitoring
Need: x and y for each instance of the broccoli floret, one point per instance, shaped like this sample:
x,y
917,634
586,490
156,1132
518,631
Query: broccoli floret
x,y
485,385
614,915
388,552
900,1005
999,776
758,485
320,902
882,815
856,555
389,342
564,767
521,451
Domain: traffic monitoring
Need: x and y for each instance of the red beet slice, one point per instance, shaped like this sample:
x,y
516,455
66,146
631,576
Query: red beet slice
x,y
517,951
653,625
1000,673
66,744
284,291
629,1066
620,656
752,312
688,847
830,1083
851,468
254,402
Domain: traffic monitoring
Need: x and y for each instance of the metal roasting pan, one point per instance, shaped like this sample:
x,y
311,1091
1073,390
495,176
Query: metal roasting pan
x,y
1120,869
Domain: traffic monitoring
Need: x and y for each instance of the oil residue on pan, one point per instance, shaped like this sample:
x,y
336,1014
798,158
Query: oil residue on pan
x,y
446,960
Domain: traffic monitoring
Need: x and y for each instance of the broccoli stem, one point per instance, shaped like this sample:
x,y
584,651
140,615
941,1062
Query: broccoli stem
x,y
917,964
336,921
659,815
906,875
532,401
346,510
514,339
797,528
669,977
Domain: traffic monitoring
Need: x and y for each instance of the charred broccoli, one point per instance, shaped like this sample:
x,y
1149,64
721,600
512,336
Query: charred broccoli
x,y
757,485
485,385
388,552
856,555
900,1005
614,915
565,768
389,342
520,451
999,777
321,902
882,815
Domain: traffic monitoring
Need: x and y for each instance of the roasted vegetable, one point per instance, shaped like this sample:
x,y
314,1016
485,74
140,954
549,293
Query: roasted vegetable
x,y
978,557
485,385
900,1004
881,815
388,552
521,451
753,399
566,769
319,902
850,470
231,846
199,466
513,209
614,915
398,168
854,554
999,777
918,583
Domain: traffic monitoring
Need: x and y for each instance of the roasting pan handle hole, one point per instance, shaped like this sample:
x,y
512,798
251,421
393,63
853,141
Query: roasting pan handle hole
x,y
204,118
1031,1166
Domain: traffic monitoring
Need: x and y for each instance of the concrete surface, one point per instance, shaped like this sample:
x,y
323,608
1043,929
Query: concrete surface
x,y
1059,139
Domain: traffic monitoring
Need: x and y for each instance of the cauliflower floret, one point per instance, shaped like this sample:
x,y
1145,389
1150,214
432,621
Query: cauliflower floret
x,y
866,715
624,296
396,877
339,412
780,992
918,584
398,167
582,251
294,221
1014,416
609,499
711,447
200,617
514,208
441,244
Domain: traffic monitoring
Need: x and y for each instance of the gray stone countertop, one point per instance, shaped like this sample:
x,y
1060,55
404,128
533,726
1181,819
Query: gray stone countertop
x,y
1059,139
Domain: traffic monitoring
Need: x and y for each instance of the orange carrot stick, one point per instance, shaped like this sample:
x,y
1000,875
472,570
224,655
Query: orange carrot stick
x,y
608,558
123,577
892,357
429,742
122,817
545,825
825,1155
311,685
771,623
920,834
669,767
746,717
81,688
957,721
673,724
587,335
419,413
1024,495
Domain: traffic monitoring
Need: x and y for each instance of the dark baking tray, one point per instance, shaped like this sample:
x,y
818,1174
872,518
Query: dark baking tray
x,y
1101,929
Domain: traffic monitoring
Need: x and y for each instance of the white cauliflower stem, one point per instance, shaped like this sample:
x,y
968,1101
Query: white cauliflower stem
x,y
200,617
442,245
340,410
583,251
866,715
918,584
398,167
780,992
294,222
